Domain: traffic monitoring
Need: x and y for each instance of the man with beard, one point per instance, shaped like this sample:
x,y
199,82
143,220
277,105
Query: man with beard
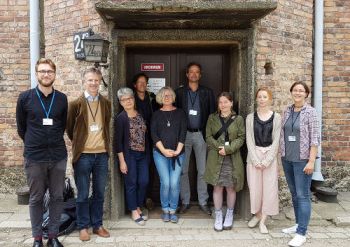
x,y
41,120
88,129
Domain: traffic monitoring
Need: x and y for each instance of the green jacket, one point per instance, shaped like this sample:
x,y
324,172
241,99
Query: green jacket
x,y
236,132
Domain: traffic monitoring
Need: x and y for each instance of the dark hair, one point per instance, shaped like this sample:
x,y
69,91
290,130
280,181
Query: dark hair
x,y
193,64
306,87
92,70
45,61
137,76
228,96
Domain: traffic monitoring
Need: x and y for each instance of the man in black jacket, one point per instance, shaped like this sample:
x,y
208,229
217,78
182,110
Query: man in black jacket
x,y
198,102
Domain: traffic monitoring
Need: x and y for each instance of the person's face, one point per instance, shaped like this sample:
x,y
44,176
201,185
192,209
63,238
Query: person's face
x,y
193,74
225,105
141,85
127,102
299,94
45,75
263,99
92,83
168,98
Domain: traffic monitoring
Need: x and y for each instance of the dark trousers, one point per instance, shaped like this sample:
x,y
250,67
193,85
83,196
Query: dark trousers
x,y
136,180
40,176
90,212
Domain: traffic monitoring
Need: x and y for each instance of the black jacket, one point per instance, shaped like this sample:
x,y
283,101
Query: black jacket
x,y
207,102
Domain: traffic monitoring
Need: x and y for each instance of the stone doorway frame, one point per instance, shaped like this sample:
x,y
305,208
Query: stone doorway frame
x,y
242,42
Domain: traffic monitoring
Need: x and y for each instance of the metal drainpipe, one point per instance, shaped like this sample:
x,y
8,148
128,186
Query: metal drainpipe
x,y
318,70
34,39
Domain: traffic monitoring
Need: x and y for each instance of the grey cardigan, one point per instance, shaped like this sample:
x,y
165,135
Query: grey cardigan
x,y
252,158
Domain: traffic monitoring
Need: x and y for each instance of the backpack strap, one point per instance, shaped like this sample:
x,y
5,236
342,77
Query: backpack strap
x,y
224,127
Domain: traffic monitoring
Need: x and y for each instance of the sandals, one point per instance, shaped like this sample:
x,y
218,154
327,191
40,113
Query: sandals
x,y
140,221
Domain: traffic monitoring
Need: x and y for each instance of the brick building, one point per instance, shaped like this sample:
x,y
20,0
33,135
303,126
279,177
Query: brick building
x,y
248,37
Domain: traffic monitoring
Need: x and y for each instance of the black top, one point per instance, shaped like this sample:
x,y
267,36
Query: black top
x,y
263,131
42,143
146,107
193,104
206,100
169,127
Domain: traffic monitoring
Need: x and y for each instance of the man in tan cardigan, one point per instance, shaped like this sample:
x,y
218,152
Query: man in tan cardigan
x,y
88,129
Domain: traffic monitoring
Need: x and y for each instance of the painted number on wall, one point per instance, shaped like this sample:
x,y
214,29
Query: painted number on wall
x,y
78,40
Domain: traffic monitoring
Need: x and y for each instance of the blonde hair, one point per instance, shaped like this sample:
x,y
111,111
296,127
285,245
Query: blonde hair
x,y
161,92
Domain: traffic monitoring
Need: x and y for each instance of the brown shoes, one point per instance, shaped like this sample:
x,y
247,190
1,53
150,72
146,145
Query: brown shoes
x,y
102,232
84,235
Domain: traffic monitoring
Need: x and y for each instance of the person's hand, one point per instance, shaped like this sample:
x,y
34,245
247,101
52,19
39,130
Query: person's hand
x,y
222,151
168,153
176,153
123,167
309,168
259,166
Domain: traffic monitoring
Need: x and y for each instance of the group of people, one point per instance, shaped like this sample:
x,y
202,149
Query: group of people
x,y
163,129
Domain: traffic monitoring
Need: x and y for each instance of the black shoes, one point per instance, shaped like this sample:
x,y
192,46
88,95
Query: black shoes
x,y
54,243
183,209
38,243
205,209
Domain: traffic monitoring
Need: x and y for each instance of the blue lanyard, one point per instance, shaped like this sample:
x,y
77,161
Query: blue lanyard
x,y
47,113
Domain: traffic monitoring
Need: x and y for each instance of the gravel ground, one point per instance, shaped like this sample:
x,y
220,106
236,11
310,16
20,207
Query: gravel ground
x,y
11,178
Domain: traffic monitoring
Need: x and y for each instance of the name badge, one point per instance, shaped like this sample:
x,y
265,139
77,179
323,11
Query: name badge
x,y
94,128
47,121
193,112
292,138
227,143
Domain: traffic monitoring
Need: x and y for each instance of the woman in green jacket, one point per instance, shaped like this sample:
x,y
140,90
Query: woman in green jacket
x,y
224,163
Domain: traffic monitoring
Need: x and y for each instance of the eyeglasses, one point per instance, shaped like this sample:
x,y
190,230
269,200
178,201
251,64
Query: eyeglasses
x,y
168,96
126,99
43,72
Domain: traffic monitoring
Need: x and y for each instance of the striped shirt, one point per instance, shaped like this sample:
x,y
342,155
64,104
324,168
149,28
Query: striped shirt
x,y
309,130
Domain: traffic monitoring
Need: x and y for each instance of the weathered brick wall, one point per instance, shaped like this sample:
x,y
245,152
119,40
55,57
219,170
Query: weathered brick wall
x,y
284,38
62,19
14,76
336,83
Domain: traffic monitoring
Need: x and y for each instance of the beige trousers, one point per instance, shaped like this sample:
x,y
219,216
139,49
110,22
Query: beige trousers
x,y
263,185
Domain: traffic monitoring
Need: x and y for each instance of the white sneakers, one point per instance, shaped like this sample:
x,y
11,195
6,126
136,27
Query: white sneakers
x,y
290,230
297,241
228,219
218,221
263,228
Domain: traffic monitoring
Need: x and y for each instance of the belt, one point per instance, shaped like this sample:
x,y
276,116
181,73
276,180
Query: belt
x,y
193,130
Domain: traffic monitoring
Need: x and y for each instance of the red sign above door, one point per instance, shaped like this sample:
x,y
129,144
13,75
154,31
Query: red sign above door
x,y
152,66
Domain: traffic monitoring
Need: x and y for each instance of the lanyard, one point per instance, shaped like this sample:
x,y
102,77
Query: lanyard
x,y
193,101
293,121
93,115
47,113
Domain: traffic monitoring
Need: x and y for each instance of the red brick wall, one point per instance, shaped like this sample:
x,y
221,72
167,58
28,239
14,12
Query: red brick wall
x,y
14,63
336,83
284,37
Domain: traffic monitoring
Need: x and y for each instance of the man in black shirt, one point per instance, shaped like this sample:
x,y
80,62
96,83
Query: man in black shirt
x,y
41,121
198,102
146,104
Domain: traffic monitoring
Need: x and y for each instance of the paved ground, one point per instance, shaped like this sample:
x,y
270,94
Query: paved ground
x,y
329,226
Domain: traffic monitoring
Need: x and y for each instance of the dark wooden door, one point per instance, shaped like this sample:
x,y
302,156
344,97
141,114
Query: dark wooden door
x,y
215,74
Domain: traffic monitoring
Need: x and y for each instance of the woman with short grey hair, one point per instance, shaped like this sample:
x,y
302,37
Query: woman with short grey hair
x,y
124,91
132,148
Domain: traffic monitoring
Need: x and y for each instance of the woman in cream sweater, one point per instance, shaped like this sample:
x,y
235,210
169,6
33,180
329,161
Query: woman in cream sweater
x,y
263,129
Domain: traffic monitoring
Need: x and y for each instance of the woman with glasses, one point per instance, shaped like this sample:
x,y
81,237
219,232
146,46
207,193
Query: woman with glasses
x,y
132,148
263,129
168,131
300,138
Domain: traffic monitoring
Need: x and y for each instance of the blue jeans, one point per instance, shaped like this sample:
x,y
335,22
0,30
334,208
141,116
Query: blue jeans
x,y
136,180
90,212
169,180
299,185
